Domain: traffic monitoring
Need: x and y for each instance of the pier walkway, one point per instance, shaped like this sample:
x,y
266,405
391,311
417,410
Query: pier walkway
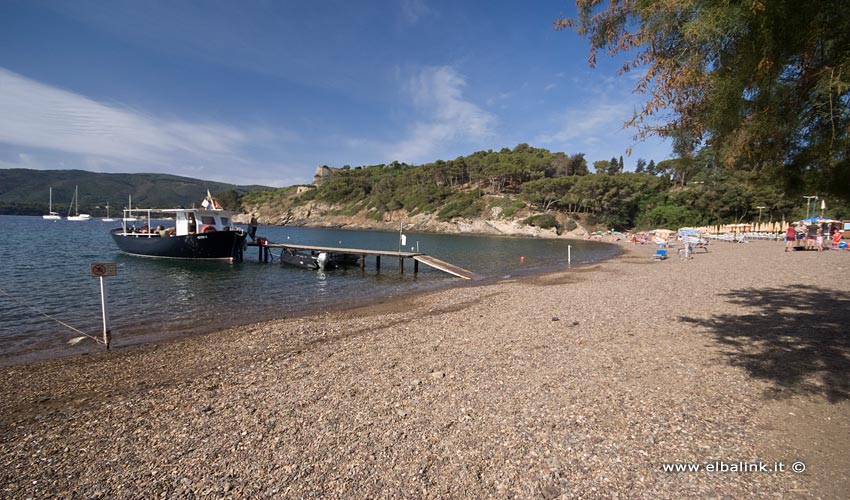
x,y
264,255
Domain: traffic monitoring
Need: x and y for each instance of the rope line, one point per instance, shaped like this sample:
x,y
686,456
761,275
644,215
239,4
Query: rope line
x,y
50,317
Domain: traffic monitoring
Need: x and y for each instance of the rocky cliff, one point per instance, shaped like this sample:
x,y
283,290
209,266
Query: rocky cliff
x,y
319,214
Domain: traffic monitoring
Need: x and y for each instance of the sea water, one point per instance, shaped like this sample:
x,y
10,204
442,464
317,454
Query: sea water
x,y
46,280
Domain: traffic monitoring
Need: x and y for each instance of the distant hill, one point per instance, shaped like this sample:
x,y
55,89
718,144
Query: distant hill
x,y
26,191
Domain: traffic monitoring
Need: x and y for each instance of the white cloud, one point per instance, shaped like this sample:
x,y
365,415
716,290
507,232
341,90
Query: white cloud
x,y
437,93
586,123
413,10
64,127
39,116
597,129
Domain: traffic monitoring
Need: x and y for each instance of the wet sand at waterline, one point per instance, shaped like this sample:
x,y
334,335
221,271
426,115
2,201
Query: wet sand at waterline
x,y
583,383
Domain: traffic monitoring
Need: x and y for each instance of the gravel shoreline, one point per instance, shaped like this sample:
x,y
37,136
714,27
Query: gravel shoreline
x,y
579,384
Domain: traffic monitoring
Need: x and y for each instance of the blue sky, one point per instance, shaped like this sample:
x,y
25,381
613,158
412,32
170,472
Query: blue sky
x,y
261,92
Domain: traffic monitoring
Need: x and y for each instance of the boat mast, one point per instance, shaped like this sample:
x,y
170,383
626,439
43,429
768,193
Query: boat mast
x,y
73,201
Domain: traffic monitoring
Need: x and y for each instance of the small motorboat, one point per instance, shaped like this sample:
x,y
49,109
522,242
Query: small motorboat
x,y
314,260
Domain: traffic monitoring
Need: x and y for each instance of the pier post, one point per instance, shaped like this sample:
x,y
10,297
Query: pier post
x,y
363,262
415,267
401,264
377,263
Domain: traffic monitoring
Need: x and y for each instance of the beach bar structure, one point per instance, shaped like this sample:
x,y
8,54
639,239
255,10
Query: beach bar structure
x,y
264,255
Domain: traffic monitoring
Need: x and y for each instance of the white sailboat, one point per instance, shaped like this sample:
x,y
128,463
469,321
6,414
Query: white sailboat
x,y
75,204
128,214
107,218
51,215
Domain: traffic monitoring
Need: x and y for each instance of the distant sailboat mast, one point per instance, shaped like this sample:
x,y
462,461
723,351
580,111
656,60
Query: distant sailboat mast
x,y
75,204
107,218
51,215
128,216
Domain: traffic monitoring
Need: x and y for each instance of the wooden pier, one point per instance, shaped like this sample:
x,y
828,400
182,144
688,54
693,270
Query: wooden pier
x,y
264,255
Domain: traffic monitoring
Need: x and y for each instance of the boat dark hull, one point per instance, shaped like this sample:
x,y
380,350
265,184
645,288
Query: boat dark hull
x,y
219,245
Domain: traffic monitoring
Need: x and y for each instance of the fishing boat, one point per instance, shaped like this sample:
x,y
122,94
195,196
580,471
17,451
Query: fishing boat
x,y
107,218
51,215
311,259
75,205
206,233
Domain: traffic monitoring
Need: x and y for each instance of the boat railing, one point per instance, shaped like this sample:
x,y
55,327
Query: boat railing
x,y
147,220
129,224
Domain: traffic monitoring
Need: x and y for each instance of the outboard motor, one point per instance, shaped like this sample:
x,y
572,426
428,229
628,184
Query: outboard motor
x,y
322,260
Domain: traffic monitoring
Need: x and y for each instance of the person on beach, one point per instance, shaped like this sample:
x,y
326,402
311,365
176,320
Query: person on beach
x,y
790,237
836,238
801,233
252,227
811,236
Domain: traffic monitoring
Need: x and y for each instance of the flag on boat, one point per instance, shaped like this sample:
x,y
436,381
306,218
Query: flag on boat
x,y
210,202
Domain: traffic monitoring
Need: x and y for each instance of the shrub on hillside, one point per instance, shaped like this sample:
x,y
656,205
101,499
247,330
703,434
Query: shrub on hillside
x,y
543,221
512,208
461,205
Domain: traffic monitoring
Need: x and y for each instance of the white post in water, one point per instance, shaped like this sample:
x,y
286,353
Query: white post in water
x,y
569,255
101,270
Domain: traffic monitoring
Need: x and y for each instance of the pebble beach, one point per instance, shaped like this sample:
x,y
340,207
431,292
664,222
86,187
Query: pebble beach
x,y
586,383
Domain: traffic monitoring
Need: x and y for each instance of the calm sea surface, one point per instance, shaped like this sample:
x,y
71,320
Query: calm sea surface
x,y
46,270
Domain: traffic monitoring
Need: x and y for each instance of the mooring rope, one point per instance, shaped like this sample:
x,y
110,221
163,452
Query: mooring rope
x,y
52,318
